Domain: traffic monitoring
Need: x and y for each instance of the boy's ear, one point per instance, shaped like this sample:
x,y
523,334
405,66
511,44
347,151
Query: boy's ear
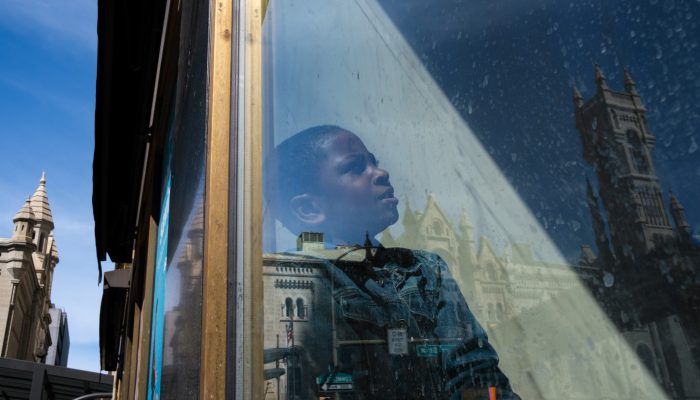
x,y
308,209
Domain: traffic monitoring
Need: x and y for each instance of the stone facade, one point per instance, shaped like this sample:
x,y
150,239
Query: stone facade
x,y
642,247
27,263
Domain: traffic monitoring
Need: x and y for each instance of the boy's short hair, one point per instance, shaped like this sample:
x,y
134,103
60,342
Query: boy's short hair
x,y
292,169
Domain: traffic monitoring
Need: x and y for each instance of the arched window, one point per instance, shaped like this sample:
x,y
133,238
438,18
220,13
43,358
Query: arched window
x,y
499,312
491,270
615,119
437,227
491,315
288,307
301,312
637,152
40,246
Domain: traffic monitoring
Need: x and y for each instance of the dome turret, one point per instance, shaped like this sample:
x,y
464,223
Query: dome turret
x,y
24,222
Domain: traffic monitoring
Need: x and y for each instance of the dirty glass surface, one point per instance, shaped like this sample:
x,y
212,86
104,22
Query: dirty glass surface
x,y
481,199
177,334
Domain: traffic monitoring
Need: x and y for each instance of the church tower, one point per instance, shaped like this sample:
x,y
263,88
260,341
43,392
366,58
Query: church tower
x,y
617,142
30,257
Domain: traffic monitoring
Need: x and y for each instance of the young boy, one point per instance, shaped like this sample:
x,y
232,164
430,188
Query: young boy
x,y
401,326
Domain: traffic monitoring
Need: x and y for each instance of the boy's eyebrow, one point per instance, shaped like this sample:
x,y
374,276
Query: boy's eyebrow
x,y
373,158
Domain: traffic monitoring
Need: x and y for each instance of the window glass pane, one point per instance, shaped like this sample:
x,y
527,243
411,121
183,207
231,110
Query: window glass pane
x,y
174,372
474,199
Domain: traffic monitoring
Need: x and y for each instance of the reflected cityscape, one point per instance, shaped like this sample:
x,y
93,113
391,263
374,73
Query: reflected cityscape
x,y
642,275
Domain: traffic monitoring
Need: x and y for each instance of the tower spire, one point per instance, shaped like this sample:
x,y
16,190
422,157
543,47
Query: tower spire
x,y
600,78
40,204
409,218
24,221
464,222
630,85
678,213
578,99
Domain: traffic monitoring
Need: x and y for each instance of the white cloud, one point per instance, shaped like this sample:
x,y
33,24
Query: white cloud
x,y
62,20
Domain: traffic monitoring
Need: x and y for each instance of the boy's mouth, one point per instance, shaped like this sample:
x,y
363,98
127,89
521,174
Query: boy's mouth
x,y
388,196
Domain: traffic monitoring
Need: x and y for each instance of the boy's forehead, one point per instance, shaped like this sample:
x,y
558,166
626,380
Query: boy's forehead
x,y
343,143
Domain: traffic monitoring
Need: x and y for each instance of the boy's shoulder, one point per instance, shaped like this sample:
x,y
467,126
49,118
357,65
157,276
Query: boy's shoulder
x,y
428,259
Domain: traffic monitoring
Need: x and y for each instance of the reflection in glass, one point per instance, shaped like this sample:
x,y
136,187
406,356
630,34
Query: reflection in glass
x,y
468,105
391,323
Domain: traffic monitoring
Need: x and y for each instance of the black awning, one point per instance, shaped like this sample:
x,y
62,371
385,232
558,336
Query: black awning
x,y
129,33
114,296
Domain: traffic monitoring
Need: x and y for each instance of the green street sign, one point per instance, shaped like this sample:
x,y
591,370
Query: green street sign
x,y
433,350
339,382
334,378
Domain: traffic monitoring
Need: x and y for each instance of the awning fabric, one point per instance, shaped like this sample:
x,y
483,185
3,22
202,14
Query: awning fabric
x,y
129,33
114,295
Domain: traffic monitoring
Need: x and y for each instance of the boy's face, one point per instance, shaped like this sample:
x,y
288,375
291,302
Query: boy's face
x,y
355,194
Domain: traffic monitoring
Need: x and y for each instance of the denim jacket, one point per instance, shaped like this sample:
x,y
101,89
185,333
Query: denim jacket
x,y
449,356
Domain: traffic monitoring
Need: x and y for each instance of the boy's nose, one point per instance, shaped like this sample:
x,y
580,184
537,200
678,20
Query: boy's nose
x,y
381,177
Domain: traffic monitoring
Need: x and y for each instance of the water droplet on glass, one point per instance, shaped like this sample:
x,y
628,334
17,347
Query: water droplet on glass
x,y
608,279
575,225
485,82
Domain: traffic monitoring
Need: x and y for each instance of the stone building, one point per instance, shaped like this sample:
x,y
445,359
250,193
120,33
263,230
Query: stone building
x,y
27,262
57,353
642,247
497,286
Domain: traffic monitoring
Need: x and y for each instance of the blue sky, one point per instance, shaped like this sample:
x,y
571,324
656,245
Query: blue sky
x,y
47,102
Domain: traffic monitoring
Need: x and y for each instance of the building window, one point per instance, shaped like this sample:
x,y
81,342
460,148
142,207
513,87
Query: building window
x,y
301,312
615,119
637,152
437,227
289,308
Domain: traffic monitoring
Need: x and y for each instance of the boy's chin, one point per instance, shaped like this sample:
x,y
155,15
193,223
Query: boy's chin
x,y
391,219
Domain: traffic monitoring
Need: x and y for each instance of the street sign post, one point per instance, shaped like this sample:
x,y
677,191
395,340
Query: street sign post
x,y
338,382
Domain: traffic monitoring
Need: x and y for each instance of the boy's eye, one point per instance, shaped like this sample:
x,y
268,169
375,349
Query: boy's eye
x,y
357,166
373,160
